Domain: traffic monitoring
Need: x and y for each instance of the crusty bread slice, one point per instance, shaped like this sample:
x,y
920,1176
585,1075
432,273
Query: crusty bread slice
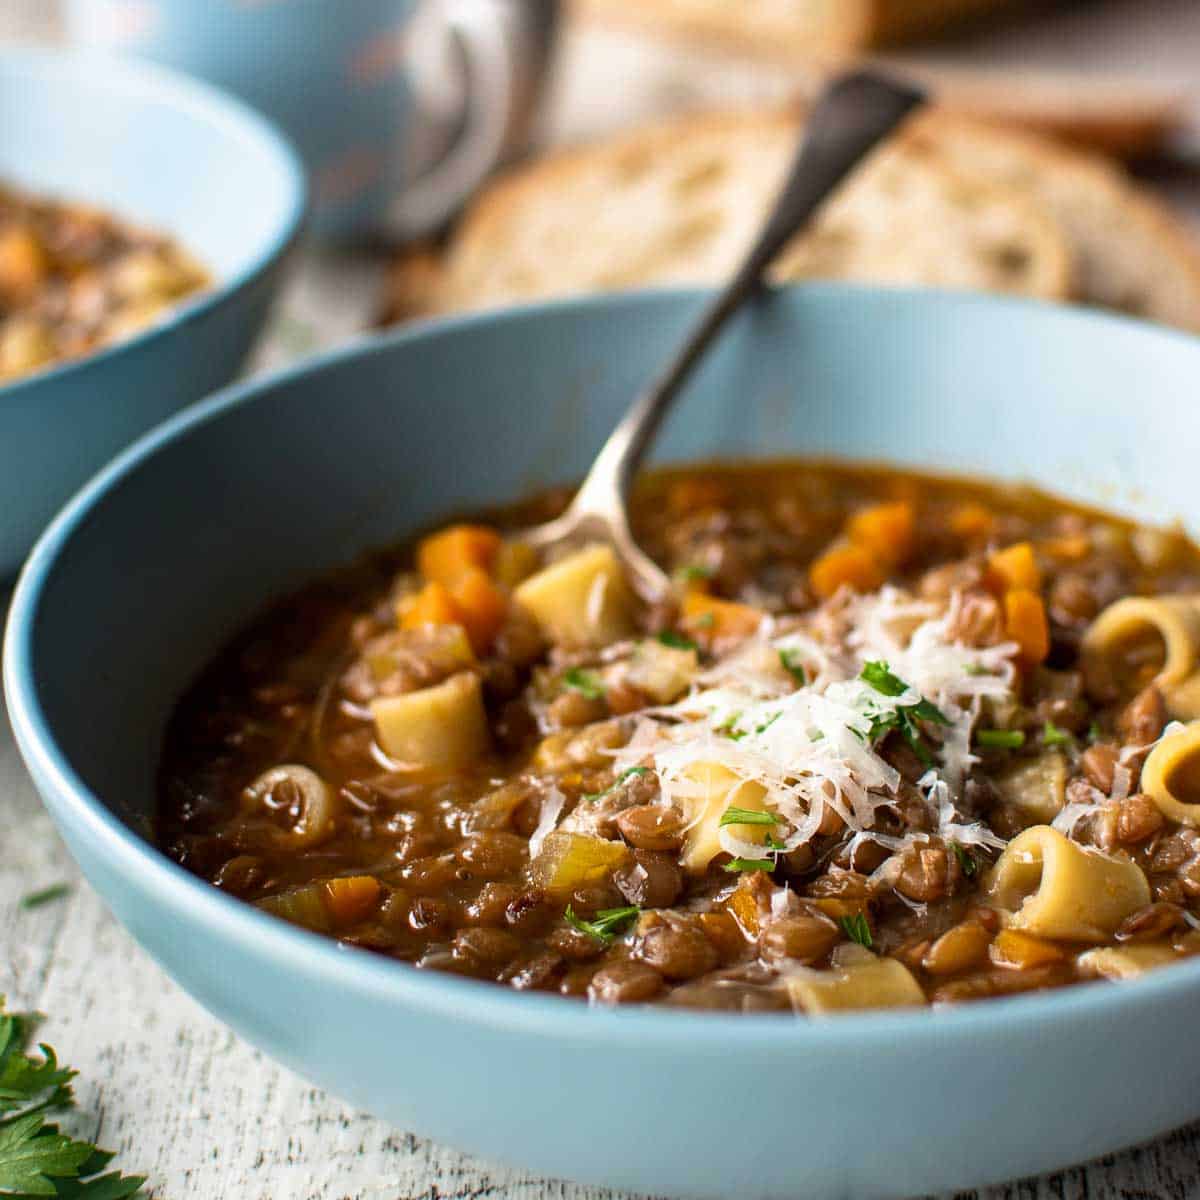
x,y
1131,253
789,27
679,202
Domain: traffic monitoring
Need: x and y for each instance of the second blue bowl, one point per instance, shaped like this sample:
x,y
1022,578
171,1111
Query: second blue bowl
x,y
176,156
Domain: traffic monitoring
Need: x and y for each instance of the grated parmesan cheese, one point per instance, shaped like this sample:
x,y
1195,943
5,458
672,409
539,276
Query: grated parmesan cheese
x,y
809,747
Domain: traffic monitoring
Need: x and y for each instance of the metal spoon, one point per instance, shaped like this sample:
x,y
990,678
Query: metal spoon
x,y
851,116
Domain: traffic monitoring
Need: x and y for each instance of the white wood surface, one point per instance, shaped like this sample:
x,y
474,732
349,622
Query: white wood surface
x,y
176,1094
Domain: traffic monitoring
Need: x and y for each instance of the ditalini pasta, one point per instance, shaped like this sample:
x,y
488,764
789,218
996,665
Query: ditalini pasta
x,y
891,741
1171,776
1160,632
1047,885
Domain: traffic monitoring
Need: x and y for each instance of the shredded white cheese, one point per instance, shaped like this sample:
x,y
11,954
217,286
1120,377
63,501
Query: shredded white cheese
x,y
809,746
551,809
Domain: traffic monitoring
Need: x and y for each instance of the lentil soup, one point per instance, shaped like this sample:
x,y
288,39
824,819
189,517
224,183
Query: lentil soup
x,y
894,740
74,278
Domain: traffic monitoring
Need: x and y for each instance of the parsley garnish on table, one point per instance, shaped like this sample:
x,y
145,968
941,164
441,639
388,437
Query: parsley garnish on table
x,y
36,1159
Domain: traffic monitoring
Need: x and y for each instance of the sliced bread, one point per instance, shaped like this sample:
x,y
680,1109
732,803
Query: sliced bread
x,y
788,27
679,202
1131,253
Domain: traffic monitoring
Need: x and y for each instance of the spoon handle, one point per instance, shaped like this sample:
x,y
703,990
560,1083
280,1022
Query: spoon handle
x,y
853,114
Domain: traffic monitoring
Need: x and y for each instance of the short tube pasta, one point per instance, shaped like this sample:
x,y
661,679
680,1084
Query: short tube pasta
x,y
1171,775
1054,888
1131,625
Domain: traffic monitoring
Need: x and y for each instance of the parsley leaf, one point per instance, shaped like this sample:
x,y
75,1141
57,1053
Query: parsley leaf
x,y
882,680
966,860
606,924
35,1158
587,683
676,641
773,843
56,891
746,816
693,572
750,864
1053,736
790,661
1000,739
1094,732
624,775
857,928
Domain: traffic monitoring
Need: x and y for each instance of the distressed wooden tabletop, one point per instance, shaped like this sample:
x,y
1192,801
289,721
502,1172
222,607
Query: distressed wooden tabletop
x,y
174,1092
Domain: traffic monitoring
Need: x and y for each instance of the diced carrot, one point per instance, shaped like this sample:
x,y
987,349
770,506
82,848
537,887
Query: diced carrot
x,y
847,565
352,898
1013,948
432,605
443,557
709,619
694,494
1013,567
972,520
885,531
745,908
1025,623
481,607
723,931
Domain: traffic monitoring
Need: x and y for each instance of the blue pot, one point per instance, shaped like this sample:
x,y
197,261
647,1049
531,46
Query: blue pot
x,y
169,551
175,156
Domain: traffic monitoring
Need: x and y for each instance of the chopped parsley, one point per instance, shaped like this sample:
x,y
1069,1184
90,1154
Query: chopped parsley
x,y
750,864
857,928
587,683
966,860
47,895
790,661
1000,739
1053,736
746,816
773,843
676,641
36,1159
606,924
1094,732
692,572
904,718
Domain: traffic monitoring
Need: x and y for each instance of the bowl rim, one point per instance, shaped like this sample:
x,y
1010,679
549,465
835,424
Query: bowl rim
x,y
151,83
479,1002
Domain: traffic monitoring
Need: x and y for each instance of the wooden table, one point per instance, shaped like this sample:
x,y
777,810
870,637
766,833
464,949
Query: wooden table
x,y
174,1092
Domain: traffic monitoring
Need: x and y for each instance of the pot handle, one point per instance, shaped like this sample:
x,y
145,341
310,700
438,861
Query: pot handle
x,y
489,52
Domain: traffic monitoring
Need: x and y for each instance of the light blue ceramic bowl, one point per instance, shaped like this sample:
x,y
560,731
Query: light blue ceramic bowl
x,y
164,555
177,156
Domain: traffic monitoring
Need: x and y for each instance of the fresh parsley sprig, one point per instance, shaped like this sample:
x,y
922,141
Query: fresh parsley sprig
x,y
905,718
857,928
750,864
587,683
746,816
1000,739
606,924
966,860
36,1159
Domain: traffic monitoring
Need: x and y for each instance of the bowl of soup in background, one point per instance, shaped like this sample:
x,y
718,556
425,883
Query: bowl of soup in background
x,y
191,532
151,149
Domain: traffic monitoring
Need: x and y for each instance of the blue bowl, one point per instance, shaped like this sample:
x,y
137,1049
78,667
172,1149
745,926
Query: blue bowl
x,y
176,156
168,552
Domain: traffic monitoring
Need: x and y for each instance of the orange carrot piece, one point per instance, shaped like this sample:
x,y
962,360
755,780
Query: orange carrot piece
x,y
847,565
351,898
481,607
709,619
1013,567
1025,623
972,520
443,557
885,531
432,605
